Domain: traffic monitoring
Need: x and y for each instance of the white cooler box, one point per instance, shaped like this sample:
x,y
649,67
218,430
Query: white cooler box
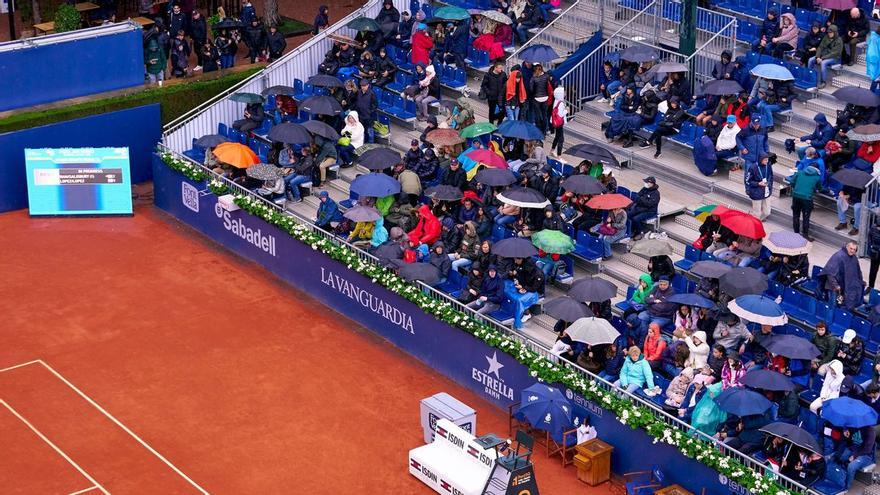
x,y
444,406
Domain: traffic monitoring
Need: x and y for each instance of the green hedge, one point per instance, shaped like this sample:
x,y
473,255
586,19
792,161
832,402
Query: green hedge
x,y
176,100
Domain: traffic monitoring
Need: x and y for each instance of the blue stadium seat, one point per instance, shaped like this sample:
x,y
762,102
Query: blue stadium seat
x,y
399,83
298,94
811,285
625,305
874,340
807,79
862,328
822,312
775,289
830,485
587,246
686,134
841,322
691,256
791,300
222,129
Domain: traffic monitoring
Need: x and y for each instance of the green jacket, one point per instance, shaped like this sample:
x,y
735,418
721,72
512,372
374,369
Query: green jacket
x,y
154,57
805,183
827,345
830,48
639,295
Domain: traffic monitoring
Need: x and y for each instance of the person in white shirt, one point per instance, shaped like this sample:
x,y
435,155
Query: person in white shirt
x,y
831,385
725,145
699,350
353,130
560,114
586,431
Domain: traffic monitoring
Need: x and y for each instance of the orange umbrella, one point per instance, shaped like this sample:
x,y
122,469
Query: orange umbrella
x,y
236,154
609,201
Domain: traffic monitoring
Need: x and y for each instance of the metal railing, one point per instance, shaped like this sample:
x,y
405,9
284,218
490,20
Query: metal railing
x,y
565,33
870,215
531,344
300,63
703,60
79,34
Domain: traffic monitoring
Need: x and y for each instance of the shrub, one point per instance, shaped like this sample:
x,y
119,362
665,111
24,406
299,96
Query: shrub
x,y
67,18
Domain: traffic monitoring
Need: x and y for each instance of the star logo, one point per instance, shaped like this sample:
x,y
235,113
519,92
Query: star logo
x,y
494,365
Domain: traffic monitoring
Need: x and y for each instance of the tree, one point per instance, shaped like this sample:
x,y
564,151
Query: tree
x,y
270,12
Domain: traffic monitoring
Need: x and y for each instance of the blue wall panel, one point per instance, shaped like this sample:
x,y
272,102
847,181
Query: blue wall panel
x,y
43,74
138,128
448,350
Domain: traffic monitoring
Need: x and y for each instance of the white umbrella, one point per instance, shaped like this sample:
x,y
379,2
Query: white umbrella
x,y
592,331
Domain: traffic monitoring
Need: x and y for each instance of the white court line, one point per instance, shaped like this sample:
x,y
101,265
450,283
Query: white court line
x,y
125,428
85,490
35,361
60,452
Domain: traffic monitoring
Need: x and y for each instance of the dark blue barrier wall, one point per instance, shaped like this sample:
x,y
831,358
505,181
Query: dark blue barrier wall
x,y
450,351
138,128
43,74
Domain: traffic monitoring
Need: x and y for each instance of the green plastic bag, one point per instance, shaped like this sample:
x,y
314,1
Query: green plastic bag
x,y
380,128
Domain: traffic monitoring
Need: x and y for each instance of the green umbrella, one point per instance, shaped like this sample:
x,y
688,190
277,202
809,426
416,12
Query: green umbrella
x,y
553,241
363,24
246,98
451,14
477,129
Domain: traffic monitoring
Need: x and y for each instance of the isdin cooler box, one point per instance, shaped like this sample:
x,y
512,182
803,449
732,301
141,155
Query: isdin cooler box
x,y
443,405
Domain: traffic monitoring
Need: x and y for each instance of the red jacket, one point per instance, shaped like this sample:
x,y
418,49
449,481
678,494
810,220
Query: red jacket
x,y
654,347
421,47
869,156
427,231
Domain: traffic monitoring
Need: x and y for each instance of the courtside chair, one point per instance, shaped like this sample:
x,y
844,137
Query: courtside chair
x,y
643,482
521,452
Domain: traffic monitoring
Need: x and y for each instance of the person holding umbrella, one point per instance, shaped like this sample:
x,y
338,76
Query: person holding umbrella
x,y
808,468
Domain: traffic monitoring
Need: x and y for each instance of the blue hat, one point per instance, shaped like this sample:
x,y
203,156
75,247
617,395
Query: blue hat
x,y
731,119
323,194
663,278
756,119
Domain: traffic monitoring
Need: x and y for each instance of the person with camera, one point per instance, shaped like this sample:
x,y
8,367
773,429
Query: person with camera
x,y
759,185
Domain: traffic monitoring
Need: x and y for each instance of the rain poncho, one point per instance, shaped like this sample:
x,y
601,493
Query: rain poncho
x,y
872,56
707,415
704,155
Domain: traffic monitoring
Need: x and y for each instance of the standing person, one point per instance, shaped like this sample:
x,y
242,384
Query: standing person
x,y
198,31
422,44
752,142
322,19
210,57
841,279
248,12
366,106
493,88
759,186
176,21
539,90
558,119
804,185
226,47
154,59
829,53
255,39
179,55
276,43
515,94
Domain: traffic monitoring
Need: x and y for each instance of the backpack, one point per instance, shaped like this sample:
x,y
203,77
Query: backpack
x,y
556,120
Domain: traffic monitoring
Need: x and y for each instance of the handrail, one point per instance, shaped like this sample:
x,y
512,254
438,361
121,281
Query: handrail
x,y
516,52
50,39
710,40
179,121
609,38
532,344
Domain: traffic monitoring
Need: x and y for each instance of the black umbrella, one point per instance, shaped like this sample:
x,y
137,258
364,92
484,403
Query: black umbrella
x,y
211,140
326,81
425,272
495,177
722,87
538,54
583,184
444,193
593,153
852,178
592,289
319,128
228,24
767,380
794,434
791,346
514,247
639,53
567,309
741,281
321,105
710,269
247,98
278,90
289,133
379,158
862,97
363,24
524,197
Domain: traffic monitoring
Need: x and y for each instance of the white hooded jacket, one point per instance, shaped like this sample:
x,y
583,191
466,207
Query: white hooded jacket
x,y
831,385
356,130
559,104
727,138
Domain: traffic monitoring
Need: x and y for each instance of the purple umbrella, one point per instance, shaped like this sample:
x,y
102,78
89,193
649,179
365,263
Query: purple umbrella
x,y
787,243
836,4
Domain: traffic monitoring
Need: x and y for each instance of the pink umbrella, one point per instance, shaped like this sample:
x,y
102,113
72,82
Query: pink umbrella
x,y
487,157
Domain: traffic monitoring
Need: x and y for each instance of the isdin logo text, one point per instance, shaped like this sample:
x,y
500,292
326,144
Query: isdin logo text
x,y
491,380
256,237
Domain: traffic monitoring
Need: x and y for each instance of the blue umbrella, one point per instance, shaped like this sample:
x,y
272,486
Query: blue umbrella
x,y
538,54
846,412
375,185
514,247
495,177
767,380
772,71
742,402
546,408
791,346
758,309
692,299
520,129
787,243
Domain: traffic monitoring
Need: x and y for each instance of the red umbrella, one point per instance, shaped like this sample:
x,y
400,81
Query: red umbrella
x,y
743,224
609,201
487,157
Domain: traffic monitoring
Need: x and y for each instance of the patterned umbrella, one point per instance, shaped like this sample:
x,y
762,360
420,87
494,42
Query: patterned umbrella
x,y
361,213
553,241
478,129
363,24
264,171
787,243
444,137
236,155
758,309
496,16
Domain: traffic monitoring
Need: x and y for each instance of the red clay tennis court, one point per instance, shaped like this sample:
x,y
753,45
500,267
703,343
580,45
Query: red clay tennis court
x,y
137,357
